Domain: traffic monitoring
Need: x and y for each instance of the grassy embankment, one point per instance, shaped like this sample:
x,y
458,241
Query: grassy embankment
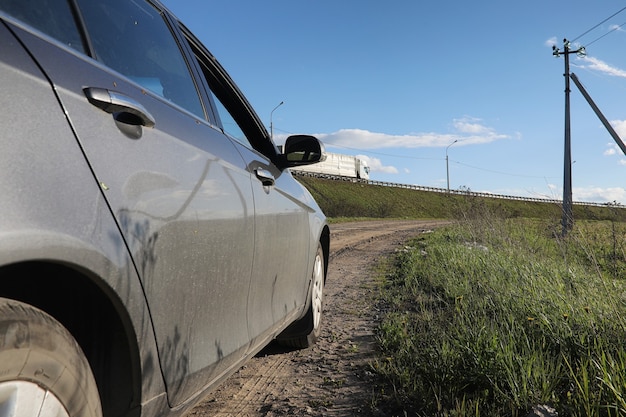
x,y
498,313
344,199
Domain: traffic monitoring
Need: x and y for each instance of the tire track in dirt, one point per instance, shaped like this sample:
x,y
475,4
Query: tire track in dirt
x,y
252,387
332,378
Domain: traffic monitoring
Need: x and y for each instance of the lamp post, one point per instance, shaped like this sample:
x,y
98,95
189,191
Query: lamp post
x,y
447,169
271,124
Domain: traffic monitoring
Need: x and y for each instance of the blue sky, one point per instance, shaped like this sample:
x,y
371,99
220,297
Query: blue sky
x,y
399,81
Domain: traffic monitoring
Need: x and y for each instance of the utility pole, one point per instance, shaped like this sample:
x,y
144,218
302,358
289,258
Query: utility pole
x,y
568,219
447,169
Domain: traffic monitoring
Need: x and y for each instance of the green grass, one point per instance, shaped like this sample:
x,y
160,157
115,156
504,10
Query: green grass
x,y
352,200
492,316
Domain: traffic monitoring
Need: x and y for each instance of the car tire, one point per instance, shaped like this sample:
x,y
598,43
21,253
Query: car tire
x,y
43,371
305,332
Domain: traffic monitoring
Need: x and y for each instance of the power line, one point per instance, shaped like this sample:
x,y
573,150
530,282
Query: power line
x,y
608,18
438,159
499,172
610,31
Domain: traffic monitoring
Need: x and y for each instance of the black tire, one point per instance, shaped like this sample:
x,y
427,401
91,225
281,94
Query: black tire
x,y
43,371
305,332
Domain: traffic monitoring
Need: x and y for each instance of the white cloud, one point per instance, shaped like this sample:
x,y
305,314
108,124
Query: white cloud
x,y
551,42
596,64
583,194
599,194
365,139
611,147
471,125
580,194
467,130
376,165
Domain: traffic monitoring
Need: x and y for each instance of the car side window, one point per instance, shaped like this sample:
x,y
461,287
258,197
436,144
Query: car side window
x,y
229,105
226,103
52,17
230,126
133,38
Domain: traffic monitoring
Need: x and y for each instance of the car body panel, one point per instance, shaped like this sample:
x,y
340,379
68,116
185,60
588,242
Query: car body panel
x,y
52,208
282,246
204,246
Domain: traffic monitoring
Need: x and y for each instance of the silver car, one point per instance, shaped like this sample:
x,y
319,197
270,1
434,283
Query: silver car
x,y
152,237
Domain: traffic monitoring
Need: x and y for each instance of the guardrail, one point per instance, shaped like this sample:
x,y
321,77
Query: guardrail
x,y
445,190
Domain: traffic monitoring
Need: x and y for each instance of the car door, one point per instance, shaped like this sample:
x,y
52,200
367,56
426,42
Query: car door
x,y
284,240
283,237
178,188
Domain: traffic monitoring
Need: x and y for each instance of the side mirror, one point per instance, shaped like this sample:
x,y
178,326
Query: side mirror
x,y
303,150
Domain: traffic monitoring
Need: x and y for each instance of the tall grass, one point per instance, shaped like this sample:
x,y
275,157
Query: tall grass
x,y
493,316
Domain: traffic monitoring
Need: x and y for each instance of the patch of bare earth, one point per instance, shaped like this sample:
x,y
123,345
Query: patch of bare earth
x,y
334,377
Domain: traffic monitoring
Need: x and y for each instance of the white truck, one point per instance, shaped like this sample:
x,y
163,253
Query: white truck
x,y
339,165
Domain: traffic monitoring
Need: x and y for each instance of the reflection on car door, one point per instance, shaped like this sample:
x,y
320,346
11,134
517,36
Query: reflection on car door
x,y
181,195
282,231
279,275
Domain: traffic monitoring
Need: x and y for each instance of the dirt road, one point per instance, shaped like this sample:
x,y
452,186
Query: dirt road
x,y
333,378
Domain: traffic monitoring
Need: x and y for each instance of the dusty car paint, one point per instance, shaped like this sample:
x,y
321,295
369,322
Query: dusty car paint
x,y
173,223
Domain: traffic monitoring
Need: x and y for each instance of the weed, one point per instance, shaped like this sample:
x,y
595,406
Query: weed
x,y
333,382
319,403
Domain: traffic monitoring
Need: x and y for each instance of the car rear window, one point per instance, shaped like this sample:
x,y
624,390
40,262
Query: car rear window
x,y
52,17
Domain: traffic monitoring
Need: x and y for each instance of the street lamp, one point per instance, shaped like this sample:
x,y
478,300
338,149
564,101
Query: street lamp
x,y
271,124
447,169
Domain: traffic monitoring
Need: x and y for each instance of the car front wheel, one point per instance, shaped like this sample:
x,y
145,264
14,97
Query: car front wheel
x,y
304,332
43,371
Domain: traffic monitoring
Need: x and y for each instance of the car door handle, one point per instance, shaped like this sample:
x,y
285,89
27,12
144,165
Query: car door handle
x,y
124,108
265,176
